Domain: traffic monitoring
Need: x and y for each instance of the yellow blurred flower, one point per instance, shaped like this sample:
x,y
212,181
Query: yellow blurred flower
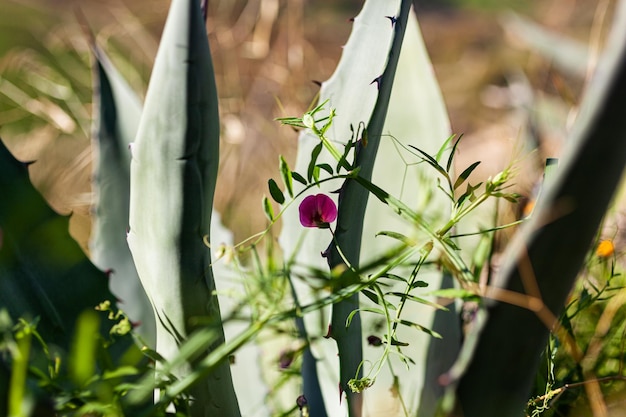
x,y
605,249
528,208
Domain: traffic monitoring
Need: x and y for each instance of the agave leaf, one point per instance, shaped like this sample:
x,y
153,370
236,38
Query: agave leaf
x,y
351,218
416,116
311,384
502,358
173,174
118,111
5,377
44,275
353,92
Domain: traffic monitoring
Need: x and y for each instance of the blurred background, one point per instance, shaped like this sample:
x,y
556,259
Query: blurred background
x,y
510,81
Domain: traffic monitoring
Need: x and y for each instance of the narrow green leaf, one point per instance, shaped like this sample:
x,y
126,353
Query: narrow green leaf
x,y
452,153
286,175
469,194
120,372
152,354
442,150
316,173
455,293
465,174
373,310
350,317
327,168
268,209
395,277
371,295
299,178
419,327
313,163
417,299
343,162
451,243
291,121
396,342
431,161
482,254
83,354
398,236
275,191
14,393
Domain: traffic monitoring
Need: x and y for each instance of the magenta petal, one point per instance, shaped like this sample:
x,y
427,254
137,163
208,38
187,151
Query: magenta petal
x,y
326,208
308,209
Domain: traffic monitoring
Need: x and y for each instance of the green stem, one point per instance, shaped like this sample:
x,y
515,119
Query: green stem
x,y
17,392
458,215
425,254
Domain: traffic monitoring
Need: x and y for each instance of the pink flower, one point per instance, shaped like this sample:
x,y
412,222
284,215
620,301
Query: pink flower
x,y
317,211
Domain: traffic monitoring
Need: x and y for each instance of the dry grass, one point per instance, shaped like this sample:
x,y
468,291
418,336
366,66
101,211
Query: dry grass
x,y
267,55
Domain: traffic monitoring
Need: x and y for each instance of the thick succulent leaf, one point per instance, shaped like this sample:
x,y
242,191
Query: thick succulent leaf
x,y
173,173
352,91
5,377
247,372
116,120
44,274
416,115
507,340
351,219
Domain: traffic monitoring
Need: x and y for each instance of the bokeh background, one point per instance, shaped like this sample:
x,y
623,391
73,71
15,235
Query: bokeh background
x,y
505,93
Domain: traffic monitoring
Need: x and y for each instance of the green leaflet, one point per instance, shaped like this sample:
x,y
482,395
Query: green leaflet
x,y
286,175
173,174
275,192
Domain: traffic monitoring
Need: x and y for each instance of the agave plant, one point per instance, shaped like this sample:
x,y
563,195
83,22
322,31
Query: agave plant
x,y
389,343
